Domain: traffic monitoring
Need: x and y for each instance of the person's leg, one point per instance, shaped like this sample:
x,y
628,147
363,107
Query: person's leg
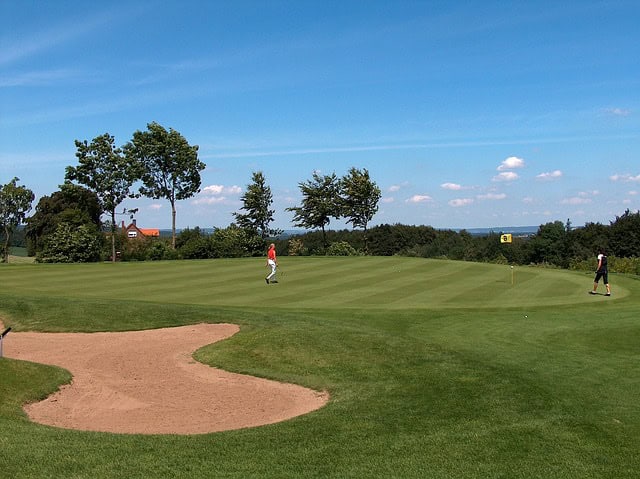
x,y
595,283
273,271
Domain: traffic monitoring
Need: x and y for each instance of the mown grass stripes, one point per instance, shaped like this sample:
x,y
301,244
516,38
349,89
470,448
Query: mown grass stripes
x,y
310,283
436,368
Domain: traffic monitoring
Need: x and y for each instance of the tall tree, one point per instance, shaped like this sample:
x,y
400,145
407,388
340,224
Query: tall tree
x,y
359,197
257,201
72,204
549,244
587,240
169,166
15,203
72,244
625,235
319,203
104,170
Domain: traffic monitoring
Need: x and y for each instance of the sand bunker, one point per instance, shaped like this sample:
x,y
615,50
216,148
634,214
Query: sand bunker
x,y
147,382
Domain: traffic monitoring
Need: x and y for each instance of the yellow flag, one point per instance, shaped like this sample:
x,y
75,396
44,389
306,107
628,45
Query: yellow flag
x,y
506,238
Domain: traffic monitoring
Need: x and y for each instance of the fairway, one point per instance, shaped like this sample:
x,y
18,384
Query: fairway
x,y
310,282
435,368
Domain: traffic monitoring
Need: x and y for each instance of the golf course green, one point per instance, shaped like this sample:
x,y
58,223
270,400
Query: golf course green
x,y
435,368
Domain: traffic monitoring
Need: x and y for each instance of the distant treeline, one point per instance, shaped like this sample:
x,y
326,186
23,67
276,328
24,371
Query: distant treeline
x,y
555,244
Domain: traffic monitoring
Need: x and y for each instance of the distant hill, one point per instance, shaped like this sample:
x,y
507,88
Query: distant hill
x,y
514,230
285,234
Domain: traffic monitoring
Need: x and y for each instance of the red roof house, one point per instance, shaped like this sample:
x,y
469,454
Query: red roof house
x,y
133,232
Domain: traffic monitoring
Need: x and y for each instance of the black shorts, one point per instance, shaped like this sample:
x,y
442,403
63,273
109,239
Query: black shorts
x,y
603,275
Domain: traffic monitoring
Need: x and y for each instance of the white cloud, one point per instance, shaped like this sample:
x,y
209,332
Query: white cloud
x,y
632,193
492,196
215,190
511,163
451,186
398,187
388,200
215,194
212,190
155,206
506,176
551,175
528,200
582,198
585,194
209,200
624,178
576,200
419,199
617,111
458,202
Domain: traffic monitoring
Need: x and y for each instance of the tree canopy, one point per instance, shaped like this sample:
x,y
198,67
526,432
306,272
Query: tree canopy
x,y
625,234
72,244
15,203
169,167
359,197
72,204
320,203
104,170
256,202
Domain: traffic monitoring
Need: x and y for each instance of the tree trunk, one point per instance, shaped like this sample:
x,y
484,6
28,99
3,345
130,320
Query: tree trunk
x,y
113,236
173,224
366,246
5,248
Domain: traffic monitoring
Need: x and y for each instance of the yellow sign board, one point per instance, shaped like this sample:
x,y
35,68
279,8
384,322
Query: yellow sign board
x,y
506,238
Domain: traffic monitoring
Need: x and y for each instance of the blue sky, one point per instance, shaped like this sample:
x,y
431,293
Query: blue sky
x,y
466,114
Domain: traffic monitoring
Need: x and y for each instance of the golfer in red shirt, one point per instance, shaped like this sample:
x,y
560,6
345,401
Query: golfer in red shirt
x,y
271,262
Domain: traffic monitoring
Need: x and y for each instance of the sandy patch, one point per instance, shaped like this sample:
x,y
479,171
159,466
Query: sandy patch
x,y
147,382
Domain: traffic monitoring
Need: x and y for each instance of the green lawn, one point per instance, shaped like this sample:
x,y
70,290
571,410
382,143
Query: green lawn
x,y
436,369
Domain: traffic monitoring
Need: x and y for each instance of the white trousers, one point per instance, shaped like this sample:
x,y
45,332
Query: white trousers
x,y
272,264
